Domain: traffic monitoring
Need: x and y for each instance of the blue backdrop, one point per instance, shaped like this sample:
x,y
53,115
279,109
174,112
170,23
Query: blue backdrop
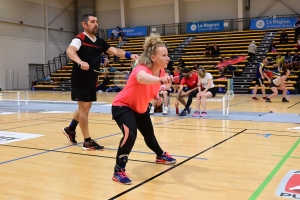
x,y
209,26
260,24
131,32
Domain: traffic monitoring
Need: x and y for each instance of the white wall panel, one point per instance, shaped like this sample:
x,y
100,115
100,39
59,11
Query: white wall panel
x,y
108,13
202,10
278,8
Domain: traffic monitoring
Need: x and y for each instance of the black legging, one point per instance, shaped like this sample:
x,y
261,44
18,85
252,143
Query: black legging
x,y
190,98
125,116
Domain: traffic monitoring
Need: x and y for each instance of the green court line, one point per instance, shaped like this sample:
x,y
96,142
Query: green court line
x,y
262,186
288,157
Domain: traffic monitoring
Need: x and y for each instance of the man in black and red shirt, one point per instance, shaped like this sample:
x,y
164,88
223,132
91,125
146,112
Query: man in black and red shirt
x,y
190,80
86,51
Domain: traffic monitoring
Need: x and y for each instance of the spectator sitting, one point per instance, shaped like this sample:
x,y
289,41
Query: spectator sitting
x,y
296,60
279,62
298,43
283,37
181,64
195,68
112,36
119,33
176,79
224,64
288,60
273,48
207,50
215,50
103,86
164,93
190,80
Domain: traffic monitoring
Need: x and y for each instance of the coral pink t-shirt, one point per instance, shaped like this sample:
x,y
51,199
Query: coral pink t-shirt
x,y
136,95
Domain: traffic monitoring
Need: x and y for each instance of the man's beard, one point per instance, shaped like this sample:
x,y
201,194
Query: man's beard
x,y
95,31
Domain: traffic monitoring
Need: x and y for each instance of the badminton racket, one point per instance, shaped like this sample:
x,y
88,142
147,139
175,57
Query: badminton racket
x,y
100,70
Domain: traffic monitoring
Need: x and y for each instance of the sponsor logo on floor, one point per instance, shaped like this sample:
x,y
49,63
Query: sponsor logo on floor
x,y
9,137
289,186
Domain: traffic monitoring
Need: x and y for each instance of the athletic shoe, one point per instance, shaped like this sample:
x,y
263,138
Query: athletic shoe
x,y
70,135
196,114
203,114
151,110
255,98
189,110
165,159
121,177
165,111
182,113
268,100
265,98
284,99
92,145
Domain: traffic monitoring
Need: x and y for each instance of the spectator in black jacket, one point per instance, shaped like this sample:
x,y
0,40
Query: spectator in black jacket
x,y
283,37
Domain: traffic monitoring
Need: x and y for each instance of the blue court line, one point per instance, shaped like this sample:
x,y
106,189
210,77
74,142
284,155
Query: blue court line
x,y
143,152
51,150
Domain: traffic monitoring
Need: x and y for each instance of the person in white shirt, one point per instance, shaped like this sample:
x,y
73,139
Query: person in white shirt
x,y
206,90
252,51
279,84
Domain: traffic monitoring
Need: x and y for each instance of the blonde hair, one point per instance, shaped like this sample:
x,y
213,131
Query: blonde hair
x,y
201,72
149,47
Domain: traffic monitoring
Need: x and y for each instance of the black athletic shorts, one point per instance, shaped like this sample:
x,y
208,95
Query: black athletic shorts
x,y
212,90
273,84
86,95
259,81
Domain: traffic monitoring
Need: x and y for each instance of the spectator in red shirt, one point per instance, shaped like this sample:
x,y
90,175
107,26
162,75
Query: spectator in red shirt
x,y
190,80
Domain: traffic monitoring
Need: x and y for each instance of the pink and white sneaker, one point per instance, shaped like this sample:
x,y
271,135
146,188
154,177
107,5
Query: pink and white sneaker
x,y
203,114
196,114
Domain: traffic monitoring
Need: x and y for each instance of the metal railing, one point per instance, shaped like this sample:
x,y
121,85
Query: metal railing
x,y
180,28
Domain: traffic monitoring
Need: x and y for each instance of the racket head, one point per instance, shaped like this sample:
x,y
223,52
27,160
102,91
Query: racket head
x,y
229,95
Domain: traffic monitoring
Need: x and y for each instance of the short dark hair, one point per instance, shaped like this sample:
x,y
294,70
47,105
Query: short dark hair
x,y
85,17
186,70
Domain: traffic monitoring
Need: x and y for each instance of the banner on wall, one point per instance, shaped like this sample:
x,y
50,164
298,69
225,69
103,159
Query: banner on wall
x,y
209,26
260,24
130,32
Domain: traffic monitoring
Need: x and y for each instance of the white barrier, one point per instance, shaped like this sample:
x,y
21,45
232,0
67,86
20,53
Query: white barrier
x,y
226,102
18,96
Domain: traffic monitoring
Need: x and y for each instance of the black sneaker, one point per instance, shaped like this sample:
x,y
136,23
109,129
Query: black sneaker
x,y
268,100
284,100
92,145
71,135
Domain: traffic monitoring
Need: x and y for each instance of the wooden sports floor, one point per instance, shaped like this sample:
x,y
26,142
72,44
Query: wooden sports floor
x,y
216,159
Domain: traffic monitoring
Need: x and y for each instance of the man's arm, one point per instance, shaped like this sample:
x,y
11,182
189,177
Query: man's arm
x,y
179,91
121,53
71,52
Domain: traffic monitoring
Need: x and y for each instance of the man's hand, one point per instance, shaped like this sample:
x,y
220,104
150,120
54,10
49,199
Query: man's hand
x,y
84,65
134,57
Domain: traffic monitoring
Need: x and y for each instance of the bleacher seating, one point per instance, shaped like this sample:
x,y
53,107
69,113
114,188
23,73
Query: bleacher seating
x,y
230,44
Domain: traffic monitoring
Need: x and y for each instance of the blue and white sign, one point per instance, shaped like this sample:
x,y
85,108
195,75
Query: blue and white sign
x,y
210,26
130,32
260,24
